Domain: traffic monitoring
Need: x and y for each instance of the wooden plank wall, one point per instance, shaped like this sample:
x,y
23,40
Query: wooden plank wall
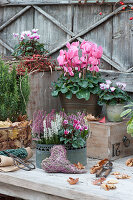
x,y
60,21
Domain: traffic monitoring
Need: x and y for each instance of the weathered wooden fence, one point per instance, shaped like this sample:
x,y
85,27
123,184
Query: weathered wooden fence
x,y
60,21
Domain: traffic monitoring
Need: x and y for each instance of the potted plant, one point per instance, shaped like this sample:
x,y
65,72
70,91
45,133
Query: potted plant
x,y
114,97
128,113
14,95
78,85
59,128
31,57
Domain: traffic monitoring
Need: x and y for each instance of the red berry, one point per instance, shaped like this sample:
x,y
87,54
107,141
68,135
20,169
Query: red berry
x,y
132,7
100,13
131,18
123,8
121,3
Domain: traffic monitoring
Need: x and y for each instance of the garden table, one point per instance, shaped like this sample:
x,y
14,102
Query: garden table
x,y
38,185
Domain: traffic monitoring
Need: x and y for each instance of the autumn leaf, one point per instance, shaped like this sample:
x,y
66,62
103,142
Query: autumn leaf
x,y
108,186
72,181
112,181
129,162
99,181
124,176
98,166
79,165
115,173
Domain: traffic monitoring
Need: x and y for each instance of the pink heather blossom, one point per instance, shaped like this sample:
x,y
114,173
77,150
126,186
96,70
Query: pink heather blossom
x,y
15,34
34,30
112,89
65,122
66,132
108,82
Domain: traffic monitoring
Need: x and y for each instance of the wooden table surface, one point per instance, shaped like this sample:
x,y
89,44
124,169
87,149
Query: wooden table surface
x,y
38,185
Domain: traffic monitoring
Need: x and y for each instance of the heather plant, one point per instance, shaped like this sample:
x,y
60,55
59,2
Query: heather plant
x,y
60,128
28,44
80,75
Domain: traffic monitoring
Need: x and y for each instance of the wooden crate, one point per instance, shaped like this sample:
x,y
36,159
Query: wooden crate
x,y
106,140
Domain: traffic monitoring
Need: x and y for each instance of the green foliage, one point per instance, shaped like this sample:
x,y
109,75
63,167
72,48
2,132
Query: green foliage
x,y
128,113
50,140
81,87
11,104
28,48
118,96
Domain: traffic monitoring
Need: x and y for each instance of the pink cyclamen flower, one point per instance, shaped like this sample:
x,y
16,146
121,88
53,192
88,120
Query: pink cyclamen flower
x,y
121,85
61,58
66,132
28,33
34,30
112,89
85,127
103,86
107,86
22,37
15,34
77,126
108,82
65,122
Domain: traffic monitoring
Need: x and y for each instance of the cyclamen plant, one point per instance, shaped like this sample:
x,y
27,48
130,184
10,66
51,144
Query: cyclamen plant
x,y
113,93
80,75
28,44
74,130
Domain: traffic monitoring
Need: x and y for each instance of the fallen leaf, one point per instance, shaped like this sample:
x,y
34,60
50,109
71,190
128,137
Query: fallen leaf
x,y
129,162
72,181
124,176
108,186
112,181
99,181
90,117
79,165
98,166
115,173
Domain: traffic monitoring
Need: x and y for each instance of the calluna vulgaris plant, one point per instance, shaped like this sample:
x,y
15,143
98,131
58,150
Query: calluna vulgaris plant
x,y
28,44
80,75
60,128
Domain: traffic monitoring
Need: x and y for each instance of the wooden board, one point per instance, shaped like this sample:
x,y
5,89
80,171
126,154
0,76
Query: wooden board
x,y
106,140
40,96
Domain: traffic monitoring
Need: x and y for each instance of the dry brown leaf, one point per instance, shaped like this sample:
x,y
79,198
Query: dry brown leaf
x,y
129,162
72,181
124,176
90,117
99,181
79,165
108,186
115,173
112,181
98,166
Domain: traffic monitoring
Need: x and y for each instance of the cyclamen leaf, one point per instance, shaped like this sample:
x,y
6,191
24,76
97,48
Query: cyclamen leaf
x,y
68,95
54,93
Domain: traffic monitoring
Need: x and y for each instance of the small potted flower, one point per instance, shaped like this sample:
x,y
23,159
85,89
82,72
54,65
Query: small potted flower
x,y
114,97
59,128
78,85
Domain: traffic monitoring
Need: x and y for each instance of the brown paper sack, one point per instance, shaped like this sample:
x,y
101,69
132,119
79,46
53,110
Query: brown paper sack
x,y
7,163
